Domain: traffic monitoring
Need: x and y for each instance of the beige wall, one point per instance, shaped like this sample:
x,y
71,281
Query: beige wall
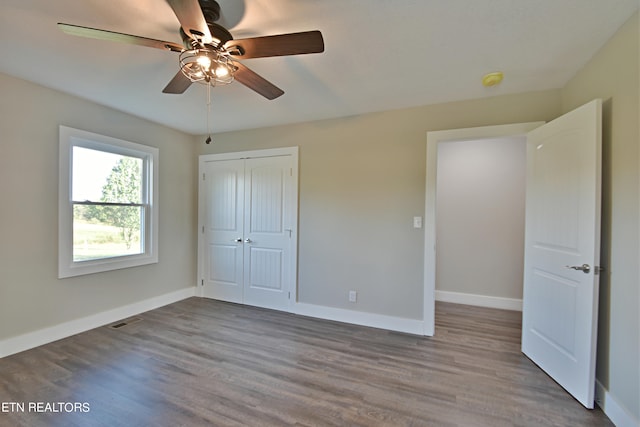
x,y
480,213
613,75
31,296
362,180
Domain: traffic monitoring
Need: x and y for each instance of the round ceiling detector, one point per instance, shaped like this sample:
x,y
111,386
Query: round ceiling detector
x,y
492,79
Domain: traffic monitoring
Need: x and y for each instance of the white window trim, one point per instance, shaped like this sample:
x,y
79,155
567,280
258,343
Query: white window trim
x,y
70,137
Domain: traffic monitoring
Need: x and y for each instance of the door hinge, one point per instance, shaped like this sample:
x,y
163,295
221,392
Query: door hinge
x,y
202,282
203,176
289,295
290,171
203,229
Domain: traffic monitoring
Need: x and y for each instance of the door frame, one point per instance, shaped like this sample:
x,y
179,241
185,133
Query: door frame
x,y
430,250
292,203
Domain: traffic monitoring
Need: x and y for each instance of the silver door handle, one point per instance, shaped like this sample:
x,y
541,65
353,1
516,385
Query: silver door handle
x,y
238,240
247,240
584,267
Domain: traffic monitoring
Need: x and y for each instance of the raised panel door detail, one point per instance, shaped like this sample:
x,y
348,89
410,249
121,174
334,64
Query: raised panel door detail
x,y
266,268
558,295
223,259
554,187
224,199
266,199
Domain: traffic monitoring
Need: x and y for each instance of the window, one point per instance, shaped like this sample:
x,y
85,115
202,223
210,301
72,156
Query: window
x,y
108,216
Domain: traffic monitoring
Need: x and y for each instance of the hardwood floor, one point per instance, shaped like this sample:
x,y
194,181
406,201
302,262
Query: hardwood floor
x,y
202,362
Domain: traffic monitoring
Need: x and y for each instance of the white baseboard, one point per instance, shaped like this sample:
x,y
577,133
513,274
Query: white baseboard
x,y
480,300
63,330
398,324
616,413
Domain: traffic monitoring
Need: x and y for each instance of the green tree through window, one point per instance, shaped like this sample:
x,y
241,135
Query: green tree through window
x,y
123,186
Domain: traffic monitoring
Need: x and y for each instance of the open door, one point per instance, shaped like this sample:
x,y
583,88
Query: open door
x,y
562,247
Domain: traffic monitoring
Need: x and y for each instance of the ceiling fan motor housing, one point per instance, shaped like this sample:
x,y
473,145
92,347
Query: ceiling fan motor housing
x,y
218,32
210,10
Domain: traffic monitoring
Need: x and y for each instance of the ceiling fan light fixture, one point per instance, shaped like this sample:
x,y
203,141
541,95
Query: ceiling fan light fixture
x,y
204,61
221,71
207,66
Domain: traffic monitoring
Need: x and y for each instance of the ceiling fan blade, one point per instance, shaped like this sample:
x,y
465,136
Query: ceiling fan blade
x,y
278,45
178,84
191,19
94,33
255,82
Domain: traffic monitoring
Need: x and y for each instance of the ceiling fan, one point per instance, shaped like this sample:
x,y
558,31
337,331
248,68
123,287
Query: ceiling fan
x,y
209,54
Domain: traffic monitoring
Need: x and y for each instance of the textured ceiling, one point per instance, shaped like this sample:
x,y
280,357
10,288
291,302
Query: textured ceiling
x,y
379,54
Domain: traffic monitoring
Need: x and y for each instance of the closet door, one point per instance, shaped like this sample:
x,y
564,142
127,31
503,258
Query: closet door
x,y
267,232
223,229
248,211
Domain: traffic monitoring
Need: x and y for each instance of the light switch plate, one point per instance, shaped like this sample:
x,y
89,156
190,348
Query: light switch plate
x,y
417,222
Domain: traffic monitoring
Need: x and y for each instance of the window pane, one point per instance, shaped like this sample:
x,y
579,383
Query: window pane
x,y
106,231
100,176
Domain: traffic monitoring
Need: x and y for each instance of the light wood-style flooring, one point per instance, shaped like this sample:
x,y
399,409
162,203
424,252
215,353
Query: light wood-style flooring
x,y
201,362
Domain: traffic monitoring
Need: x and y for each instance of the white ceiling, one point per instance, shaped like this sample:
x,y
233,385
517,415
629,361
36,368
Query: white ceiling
x,y
379,54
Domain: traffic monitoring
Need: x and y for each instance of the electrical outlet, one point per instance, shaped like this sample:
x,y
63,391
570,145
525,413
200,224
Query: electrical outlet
x,y
353,296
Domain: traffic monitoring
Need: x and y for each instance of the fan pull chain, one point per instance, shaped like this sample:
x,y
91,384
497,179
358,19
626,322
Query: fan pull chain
x,y
208,140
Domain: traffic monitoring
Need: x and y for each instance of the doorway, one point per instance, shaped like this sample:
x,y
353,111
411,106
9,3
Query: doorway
x,y
562,242
433,141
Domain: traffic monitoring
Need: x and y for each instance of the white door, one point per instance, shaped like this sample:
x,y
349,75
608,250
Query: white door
x,y
562,246
267,232
223,230
249,215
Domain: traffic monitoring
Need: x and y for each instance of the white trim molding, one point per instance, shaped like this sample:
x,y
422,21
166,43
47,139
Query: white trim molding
x,y
381,321
616,413
63,330
480,300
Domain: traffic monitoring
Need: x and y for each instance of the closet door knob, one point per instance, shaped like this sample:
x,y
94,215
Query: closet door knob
x,y
585,268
